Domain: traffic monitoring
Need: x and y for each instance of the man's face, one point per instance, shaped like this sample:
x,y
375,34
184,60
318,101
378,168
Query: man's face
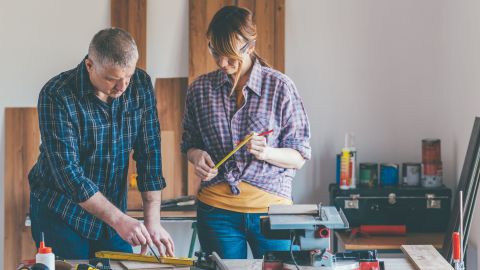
x,y
110,81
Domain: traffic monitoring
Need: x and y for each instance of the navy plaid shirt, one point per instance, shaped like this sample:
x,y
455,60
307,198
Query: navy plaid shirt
x,y
86,145
213,123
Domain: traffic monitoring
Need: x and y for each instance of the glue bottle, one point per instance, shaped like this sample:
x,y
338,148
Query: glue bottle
x,y
350,145
45,255
345,169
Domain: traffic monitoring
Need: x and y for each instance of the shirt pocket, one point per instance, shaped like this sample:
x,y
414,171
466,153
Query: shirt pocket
x,y
131,123
263,122
259,122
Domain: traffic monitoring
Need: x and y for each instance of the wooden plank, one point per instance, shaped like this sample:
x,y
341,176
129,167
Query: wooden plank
x,y
279,43
168,164
170,94
22,142
131,15
425,257
130,265
200,15
166,214
381,242
270,23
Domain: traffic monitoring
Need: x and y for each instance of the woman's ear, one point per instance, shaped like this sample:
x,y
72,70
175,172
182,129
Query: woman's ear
x,y
251,49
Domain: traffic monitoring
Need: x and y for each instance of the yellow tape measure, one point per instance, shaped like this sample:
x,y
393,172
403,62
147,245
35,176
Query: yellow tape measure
x,y
122,256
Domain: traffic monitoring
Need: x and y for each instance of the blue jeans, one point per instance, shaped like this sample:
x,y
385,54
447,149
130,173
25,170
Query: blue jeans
x,y
227,233
64,241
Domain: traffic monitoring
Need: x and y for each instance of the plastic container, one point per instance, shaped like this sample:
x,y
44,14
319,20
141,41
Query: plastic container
x,y
345,169
45,255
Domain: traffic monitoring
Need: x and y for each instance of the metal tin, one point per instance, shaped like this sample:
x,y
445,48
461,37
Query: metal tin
x,y
388,174
431,151
411,173
368,175
432,174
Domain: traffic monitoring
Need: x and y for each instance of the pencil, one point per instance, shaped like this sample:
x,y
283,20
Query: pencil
x,y
240,145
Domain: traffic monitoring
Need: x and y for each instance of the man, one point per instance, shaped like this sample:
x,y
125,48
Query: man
x,y
91,117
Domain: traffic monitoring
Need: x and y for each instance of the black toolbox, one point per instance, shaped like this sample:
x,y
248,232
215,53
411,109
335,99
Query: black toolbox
x,y
420,209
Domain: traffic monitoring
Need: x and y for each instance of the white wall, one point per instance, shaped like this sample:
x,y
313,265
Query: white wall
x,y
393,72
370,67
462,40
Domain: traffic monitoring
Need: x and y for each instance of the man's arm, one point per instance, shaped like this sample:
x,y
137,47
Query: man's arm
x,y
129,229
151,213
150,181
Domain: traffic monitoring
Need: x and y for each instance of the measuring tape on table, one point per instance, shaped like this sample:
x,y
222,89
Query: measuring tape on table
x,y
122,256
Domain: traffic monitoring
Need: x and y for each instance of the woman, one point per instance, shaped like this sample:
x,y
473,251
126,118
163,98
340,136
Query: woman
x,y
242,97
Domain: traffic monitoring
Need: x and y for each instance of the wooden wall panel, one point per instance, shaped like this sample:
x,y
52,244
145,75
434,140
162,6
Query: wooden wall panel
x,y
22,140
134,201
170,94
200,14
269,16
131,15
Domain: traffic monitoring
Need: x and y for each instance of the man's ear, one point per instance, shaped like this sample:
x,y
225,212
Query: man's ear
x,y
89,65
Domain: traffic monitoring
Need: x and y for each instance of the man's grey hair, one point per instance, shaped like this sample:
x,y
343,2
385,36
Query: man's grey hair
x,y
113,46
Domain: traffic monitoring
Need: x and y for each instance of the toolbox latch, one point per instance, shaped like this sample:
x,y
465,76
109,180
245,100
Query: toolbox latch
x,y
392,198
433,203
353,203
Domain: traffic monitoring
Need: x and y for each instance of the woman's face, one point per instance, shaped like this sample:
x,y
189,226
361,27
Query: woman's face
x,y
229,65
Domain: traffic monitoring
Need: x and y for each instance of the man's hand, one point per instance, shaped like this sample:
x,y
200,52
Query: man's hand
x,y
258,147
132,231
160,238
204,165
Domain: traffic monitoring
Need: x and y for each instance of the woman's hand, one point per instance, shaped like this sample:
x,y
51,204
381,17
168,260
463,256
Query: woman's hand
x,y
204,165
258,147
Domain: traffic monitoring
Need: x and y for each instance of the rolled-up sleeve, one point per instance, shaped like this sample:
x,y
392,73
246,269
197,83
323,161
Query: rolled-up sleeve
x,y
295,132
147,148
191,137
60,143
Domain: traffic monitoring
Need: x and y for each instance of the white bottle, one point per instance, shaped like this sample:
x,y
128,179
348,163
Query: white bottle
x,y
45,255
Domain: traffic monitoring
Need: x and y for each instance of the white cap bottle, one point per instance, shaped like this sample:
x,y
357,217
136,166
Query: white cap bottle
x,y
45,255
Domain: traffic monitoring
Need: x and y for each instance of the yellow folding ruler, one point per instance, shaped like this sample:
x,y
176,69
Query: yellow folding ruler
x,y
122,256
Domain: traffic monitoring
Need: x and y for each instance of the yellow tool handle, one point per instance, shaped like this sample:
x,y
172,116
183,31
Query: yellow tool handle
x,y
113,255
240,145
83,266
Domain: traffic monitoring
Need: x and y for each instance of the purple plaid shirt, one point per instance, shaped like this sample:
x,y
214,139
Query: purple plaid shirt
x,y
213,123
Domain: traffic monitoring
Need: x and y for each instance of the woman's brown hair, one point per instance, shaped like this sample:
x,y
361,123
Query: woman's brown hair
x,y
228,25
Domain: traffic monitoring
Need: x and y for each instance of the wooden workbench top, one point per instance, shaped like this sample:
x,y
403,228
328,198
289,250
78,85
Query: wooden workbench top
x,y
390,264
166,214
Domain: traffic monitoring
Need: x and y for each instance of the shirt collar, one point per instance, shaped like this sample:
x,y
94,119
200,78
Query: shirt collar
x,y
254,82
84,86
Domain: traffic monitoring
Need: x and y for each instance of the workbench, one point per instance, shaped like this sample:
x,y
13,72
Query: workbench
x,y
250,264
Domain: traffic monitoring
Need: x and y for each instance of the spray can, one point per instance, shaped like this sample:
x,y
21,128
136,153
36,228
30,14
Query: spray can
x,y
45,255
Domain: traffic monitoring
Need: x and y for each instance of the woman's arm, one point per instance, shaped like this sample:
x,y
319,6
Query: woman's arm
x,y
282,157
